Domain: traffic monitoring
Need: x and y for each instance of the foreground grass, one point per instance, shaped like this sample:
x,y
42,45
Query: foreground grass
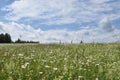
x,y
60,62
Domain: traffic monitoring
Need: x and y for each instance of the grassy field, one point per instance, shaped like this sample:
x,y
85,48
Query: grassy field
x,y
60,62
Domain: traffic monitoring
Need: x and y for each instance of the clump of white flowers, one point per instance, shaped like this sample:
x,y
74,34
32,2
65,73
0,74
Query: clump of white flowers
x,y
55,69
47,66
25,65
40,72
20,55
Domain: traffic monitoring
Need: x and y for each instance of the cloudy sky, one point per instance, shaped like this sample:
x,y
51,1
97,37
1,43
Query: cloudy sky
x,y
61,20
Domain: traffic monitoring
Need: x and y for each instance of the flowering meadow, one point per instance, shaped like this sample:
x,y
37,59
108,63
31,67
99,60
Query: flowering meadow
x,y
60,61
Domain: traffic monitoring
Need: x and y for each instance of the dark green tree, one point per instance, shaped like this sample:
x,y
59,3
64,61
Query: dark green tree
x,y
2,38
81,41
18,41
5,38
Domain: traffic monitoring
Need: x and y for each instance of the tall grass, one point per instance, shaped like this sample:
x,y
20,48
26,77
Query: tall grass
x,y
60,62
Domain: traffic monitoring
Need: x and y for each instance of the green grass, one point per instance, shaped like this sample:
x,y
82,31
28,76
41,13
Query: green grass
x,y
60,62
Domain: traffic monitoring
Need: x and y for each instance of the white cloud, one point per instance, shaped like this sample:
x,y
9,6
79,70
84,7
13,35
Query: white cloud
x,y
106,25
16,30
88,34
63,11
59,12
39,9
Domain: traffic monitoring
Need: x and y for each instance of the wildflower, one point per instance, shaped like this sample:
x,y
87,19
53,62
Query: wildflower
x,y
114,62
44,60
93,62
88,60
55,69
96,64
34,60
20,55
80,68
84,69
47,66
61,77
25,65
65,58
13,55
82,63
80,76
96,79
40,72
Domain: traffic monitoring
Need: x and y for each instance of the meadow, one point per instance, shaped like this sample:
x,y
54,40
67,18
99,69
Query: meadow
x,y
60,61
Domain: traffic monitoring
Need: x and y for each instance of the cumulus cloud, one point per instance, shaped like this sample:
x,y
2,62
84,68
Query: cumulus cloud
x,y
62,11
106,25
40,9
16,30
88,34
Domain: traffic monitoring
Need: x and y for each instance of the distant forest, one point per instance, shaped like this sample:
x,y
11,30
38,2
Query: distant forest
x,y
6,38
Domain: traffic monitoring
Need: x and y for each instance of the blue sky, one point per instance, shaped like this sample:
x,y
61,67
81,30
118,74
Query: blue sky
x,y
61,20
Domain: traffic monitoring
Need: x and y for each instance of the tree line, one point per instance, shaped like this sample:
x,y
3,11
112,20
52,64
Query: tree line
x,y
6,38
22,41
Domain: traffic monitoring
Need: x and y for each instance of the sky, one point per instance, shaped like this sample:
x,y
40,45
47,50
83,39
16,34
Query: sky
x,y
51,21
